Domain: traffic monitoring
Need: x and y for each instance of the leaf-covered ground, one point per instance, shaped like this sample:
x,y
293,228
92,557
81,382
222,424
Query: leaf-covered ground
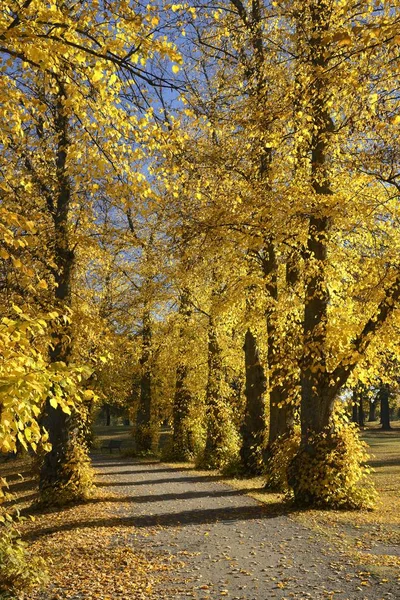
x,y
86,560
158,531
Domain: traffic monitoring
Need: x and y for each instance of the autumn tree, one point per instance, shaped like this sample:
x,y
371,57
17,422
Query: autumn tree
x,y
63,63
327,207
328,51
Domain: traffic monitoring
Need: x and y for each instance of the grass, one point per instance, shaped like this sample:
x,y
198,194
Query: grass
x,y
103,433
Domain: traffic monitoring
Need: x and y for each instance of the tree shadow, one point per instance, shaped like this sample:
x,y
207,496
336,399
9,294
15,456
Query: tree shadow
x,y
194,479
388,462
21,485
168,497
164,470
111,461
164,520
13,502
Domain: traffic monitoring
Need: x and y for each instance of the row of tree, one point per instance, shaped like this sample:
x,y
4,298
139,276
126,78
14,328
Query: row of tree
x,y
199,215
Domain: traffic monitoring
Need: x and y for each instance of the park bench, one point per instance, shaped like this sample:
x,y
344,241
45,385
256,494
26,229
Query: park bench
x,y
111,445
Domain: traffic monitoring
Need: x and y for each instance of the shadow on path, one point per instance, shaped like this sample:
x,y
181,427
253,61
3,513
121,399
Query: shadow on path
x,y
194,479
105,460
174,496
189,517
135,472
388,462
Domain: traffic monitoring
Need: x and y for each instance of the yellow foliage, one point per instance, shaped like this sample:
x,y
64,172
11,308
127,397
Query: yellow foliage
x,y
331,470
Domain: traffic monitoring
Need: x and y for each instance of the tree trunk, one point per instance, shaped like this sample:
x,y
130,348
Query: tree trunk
x,y
182,437
143,432
319,388
384,394
61,466
108,415
254,426
221,439
282,382
317,398
361,414
354,409
372,410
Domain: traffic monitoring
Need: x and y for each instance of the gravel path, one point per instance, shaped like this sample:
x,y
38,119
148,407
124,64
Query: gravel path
x,y
225,544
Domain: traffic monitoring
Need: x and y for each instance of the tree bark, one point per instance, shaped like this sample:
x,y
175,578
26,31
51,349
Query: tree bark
x,y
143,433
108,414
182,436
354,410
221,437
361,414
384,394
358,406
316,401
372,410
254,426
317,398
55,474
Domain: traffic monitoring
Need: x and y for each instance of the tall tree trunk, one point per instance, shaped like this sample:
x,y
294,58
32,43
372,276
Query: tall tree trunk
x,y
319,388
372,410
283,383
182,436
143,430
354,409
316,404
108,415
384,394
253,430
221,438
254,427
59,474
317,399
361,414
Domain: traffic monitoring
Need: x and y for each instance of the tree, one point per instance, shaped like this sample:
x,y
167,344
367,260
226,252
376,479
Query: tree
x,y
322,28
318,188
62,65
383,396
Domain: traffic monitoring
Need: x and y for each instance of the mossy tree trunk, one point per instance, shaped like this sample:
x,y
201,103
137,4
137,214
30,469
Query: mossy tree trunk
x,y
253,430
60,479
182,436
221,437
143,429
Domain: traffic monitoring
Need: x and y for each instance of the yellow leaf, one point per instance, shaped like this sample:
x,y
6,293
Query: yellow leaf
x,y
17,263
97,74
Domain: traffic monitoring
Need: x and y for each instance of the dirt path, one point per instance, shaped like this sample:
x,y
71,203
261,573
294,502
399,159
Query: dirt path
x,y
225,544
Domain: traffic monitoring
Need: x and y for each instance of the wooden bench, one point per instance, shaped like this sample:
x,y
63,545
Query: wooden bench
x,y
111,444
